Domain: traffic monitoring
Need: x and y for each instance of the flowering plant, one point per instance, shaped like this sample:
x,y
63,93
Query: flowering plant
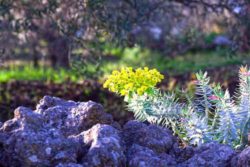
x,y
128,81
211,115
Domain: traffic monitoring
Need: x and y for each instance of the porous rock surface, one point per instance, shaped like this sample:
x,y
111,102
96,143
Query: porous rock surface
x,y
72,134
242,159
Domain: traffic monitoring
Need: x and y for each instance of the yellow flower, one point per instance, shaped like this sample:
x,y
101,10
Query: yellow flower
x,y
141,90
115,72
123,92
135,81
129,86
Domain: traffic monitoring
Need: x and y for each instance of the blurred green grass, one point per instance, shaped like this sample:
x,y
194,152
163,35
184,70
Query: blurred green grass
x,y
29,73
189,62
133,57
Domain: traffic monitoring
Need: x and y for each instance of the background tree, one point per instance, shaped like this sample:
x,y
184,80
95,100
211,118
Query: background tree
x,y
54,29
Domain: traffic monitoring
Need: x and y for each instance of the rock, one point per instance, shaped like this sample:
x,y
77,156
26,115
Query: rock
x,y
242,159
139,156
69,165
48,102
182,154
105,147
45,137
72,117
148,145
210,155
150,34
222,40
72,134
31,142
154,137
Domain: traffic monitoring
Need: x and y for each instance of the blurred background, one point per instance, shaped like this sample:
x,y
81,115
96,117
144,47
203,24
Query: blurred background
x,y
67,48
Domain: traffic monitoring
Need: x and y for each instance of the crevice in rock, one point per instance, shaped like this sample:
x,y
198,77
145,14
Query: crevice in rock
x,y
82,153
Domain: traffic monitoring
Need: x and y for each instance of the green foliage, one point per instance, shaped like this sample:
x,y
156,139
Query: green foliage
x,y
197,129
229,120
209,38
180,64
29,73
203,91
227,129
212,115
157,108
244,103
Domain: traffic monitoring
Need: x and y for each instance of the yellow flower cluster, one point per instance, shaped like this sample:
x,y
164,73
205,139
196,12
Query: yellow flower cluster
x,y
128,80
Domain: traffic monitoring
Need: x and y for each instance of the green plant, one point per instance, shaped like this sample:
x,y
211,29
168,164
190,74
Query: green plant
x,y
30,73
211,115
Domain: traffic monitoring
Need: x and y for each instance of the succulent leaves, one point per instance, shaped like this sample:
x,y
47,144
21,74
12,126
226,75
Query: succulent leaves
x,y
213,114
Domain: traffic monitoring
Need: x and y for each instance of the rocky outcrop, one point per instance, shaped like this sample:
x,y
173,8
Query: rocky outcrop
x,y
72,134
211,155
242,159
50,135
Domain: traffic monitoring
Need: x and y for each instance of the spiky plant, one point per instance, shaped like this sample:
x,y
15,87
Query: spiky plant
x,y
212,115
203,102
197,130
227,118
244,104
226,121
158,108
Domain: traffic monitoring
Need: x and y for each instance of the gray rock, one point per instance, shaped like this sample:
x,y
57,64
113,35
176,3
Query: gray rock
x,y
71,134
72,117
182,154
28,140
242,159
69,165
46,136
222,40
139,156
105,147
154,137
48,102
210,155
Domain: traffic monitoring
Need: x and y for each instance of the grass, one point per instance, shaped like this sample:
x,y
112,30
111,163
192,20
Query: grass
x,y
134,57
29,73
190,62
